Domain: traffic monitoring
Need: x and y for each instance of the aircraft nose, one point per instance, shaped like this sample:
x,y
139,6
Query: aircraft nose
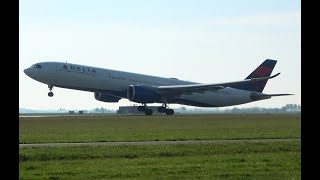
x,y
26,71
29,72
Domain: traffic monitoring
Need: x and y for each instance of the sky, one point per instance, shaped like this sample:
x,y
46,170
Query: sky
x,y
204,41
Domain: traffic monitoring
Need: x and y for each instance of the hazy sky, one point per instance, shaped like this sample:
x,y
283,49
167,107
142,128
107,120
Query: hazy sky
x,y
197,40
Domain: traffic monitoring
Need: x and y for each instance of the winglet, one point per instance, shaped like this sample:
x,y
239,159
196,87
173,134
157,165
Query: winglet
x,y
266,78
274,75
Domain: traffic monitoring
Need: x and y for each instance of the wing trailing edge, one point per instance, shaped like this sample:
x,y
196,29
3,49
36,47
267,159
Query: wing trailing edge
x,y
201,88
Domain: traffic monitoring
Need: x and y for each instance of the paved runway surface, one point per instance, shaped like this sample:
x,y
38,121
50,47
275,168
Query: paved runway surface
x,y
153,142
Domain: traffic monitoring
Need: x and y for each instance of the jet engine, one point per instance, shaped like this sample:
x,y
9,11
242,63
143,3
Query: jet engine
x,y
142,94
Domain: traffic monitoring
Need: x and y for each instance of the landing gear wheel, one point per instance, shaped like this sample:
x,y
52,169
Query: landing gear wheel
x,y
169,111
50,94
163,109
148,112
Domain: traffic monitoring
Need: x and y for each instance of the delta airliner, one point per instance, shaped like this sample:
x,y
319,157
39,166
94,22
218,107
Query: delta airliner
x,y
112,85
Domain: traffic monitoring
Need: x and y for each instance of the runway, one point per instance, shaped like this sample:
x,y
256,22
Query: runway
x,y
62,115
152,142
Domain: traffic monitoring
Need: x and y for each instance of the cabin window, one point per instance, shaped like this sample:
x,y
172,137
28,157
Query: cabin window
x,y
36,66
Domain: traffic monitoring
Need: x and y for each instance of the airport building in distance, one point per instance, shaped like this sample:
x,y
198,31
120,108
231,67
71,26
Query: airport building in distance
x,y
134,110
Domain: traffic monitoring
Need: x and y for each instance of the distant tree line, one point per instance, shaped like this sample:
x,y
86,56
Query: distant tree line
x,y
285,109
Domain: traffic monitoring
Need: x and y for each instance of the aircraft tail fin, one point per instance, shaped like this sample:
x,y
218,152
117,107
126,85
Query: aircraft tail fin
x,y
264,70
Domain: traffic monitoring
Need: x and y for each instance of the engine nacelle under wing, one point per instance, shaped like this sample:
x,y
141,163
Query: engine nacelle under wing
x,y
105,97
142,94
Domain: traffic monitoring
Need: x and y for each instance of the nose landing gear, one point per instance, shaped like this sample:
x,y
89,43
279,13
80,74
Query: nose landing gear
x,y
50,94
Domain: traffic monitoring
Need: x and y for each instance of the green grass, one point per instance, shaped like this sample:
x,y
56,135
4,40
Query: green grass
x,y
152,128
272,160
246,160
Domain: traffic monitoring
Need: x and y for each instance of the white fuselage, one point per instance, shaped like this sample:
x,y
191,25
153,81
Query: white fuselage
x,y
116,83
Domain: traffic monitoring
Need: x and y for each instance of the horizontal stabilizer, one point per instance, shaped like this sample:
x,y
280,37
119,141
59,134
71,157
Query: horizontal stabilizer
x,y
255,96
278,94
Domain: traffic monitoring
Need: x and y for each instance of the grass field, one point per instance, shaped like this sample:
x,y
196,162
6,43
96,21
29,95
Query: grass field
x,y
244,160
274,160
146,128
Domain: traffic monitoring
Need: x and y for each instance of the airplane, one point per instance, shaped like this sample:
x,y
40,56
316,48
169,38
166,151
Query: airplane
x,y
112,85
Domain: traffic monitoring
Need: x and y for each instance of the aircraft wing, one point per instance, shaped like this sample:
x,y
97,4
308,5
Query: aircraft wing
x,y
201,88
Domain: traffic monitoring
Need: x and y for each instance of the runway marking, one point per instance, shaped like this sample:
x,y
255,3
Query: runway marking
x,y
153,142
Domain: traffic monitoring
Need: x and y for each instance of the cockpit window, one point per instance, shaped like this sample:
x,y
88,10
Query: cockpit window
x,y
36,66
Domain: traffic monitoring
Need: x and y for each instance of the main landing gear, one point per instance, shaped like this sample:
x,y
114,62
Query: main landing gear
x,y
161,109
50,94
164,109
145,109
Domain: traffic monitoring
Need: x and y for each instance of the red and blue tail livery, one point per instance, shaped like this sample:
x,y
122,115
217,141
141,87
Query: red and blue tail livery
x,y
264,70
